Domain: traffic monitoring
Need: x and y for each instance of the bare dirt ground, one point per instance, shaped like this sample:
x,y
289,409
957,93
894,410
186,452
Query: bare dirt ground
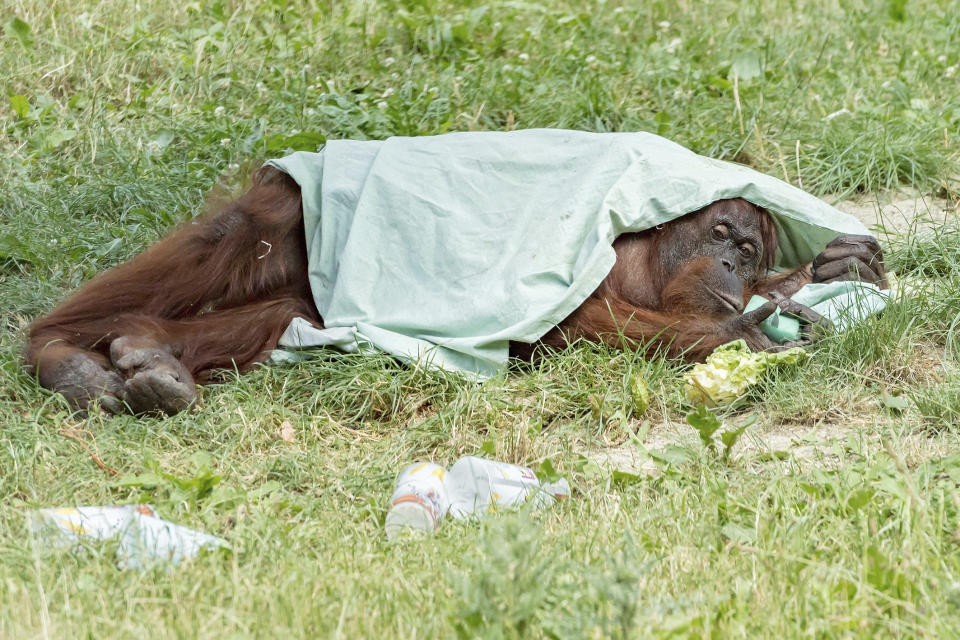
x,y
899,213
824,445
820,444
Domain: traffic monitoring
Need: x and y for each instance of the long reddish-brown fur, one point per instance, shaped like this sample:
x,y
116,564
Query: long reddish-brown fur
x,y
221,290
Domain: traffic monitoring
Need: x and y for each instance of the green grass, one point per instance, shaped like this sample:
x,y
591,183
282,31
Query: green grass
x,y
117,120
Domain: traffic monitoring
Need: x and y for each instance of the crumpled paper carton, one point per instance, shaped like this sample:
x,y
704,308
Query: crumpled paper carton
x,y
145,539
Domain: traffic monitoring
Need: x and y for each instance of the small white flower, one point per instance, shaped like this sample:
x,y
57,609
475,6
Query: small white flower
x,y
458,79
387,93
389,60
310,111
382,105
507,67
618,10
306,67
394,76
941,58
497,26
886,84
950,71
433,90
219,111
673,45
233,166
224,142
590,59
54,241
294,132
524,56
664,25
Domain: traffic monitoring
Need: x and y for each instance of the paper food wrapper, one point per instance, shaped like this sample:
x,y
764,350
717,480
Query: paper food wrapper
x,y
145,539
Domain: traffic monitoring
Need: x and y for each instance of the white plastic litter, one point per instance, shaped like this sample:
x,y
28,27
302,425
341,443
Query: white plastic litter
x,y
426,492
145,539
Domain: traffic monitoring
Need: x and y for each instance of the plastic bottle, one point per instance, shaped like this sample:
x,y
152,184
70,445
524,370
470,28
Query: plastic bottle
x,y
426,492
477,485
419,500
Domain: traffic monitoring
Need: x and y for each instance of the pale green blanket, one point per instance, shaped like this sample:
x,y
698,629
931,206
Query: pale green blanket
x,y
445,248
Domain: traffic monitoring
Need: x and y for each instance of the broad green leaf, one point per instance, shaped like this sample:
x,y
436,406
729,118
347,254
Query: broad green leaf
x,y
893,486
730,437
79,101
303,141
809,488
225,496
641,395
57,137
596,405
546,472
895,403
144,481
109,247
663,123
739,533
20,30
859,498
535,427
719,83
251,139
588,467
268,487
671,455
897,10
622,478
770,456
201,460
705,422
21,106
